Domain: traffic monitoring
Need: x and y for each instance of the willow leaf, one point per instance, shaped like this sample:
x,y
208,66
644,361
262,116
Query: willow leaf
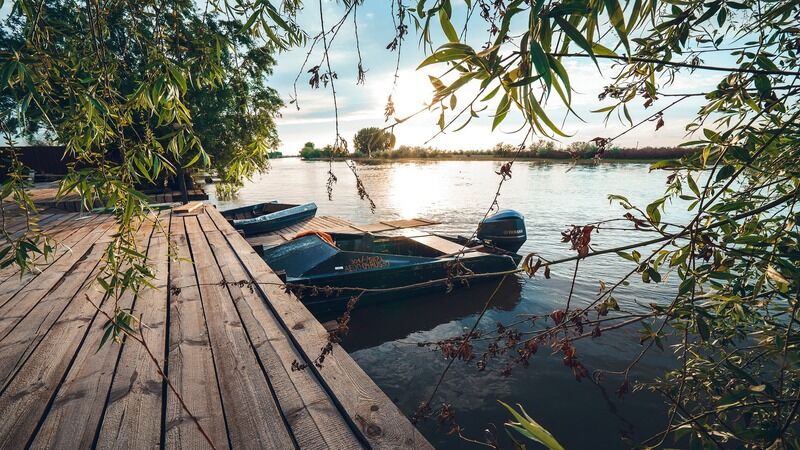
x,y
618,21
575,36
502,111
537,110
541,63
447,26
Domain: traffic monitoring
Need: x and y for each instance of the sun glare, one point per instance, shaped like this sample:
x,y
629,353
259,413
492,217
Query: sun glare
x,y
413,188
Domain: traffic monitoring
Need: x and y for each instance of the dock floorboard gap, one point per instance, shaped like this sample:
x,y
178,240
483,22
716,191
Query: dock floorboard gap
x,y
219,323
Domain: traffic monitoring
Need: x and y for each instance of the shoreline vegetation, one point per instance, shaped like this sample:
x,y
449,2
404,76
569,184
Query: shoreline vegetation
x,y
541,151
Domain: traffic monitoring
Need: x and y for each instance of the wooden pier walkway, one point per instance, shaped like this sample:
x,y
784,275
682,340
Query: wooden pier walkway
x,y
44,195
218,322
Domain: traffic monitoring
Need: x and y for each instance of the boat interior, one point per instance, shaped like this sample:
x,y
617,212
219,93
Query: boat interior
x,y
257,210
396,245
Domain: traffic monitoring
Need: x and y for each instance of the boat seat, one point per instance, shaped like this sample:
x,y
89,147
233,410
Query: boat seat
x,y
448,248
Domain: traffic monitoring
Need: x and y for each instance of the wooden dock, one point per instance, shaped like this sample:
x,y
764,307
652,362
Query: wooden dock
x,y
219,324
44,196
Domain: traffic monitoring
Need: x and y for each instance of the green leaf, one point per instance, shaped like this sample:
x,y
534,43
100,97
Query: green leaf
x,y
534,431
562,74
541,63
711,135
618,21
502,110
448,52
686,286
447,26
766,63
538,112
178,78
762,85
702,328
568,8
576,37
693,185
725,172
599,49
740,153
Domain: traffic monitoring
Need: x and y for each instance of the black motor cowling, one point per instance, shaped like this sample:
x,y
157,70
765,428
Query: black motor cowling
x,y
505,230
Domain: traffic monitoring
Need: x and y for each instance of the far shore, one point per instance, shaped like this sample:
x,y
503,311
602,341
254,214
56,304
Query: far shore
x,y
380,159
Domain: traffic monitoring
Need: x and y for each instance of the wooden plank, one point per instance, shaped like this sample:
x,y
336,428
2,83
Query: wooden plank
x,y
55,226
311,414
15,221
266,240
253,418
26,397
188,208
342,222
134,402
190,365
72,420
374,227
21,341
21,303
439,244
377,419
407,223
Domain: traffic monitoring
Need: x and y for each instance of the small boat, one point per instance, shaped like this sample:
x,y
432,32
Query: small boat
x,y
379,262
266,217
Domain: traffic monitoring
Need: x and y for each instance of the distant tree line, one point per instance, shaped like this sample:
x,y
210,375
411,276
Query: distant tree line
x,y
379,144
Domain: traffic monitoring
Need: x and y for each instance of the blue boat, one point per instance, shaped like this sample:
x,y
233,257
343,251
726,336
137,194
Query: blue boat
x,y
266,217
318,267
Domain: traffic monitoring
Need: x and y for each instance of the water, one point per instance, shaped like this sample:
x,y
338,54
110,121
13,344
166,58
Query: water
x,y
457,193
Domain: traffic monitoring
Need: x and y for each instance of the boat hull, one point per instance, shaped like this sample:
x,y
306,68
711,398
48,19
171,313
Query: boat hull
x,y
424,277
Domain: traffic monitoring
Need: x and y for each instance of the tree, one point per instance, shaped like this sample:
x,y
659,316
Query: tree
x,y
308,151
232,114
733,317
372,139
235,118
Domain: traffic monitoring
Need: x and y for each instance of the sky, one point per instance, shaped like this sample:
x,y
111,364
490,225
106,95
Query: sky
x,y
363,105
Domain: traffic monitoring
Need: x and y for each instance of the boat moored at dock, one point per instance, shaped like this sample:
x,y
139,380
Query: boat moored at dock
x,y
384,264
269,216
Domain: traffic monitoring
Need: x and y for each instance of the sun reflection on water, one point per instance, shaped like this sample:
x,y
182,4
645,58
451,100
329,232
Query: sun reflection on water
x,y
414,188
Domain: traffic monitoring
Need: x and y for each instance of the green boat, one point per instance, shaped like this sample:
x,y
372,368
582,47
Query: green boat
x,y
269,216
376,262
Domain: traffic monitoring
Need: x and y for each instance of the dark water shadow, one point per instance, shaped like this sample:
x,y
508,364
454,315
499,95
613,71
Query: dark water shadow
x,y
373,325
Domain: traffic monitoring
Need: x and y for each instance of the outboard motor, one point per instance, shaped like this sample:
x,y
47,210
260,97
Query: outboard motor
x,y
505,230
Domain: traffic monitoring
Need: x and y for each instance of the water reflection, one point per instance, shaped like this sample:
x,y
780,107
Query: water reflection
x,y
399,319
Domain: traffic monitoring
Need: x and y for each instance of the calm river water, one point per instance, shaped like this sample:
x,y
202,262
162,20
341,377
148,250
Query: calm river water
x,y
457,193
